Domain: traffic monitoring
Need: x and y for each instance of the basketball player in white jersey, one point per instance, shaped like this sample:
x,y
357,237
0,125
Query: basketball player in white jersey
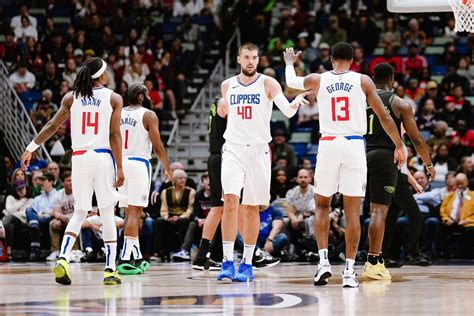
x,y
140,134
341,166
95,133
246,157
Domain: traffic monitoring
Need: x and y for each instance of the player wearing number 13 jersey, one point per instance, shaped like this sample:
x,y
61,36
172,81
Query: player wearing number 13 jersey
x,y
95,134
341,166
246,157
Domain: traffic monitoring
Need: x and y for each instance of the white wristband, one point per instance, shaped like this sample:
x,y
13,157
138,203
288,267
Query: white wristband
x,y
32,146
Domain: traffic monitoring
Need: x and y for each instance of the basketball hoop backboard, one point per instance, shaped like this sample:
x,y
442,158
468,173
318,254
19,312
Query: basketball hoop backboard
x,y
413,6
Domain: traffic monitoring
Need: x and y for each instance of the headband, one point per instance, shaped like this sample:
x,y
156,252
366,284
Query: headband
x,y
100,71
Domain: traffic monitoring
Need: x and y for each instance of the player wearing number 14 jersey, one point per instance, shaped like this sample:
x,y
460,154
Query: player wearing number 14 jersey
x,y
95,134
341,166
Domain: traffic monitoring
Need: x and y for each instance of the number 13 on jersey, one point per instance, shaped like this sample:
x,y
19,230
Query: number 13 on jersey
x,y
340,108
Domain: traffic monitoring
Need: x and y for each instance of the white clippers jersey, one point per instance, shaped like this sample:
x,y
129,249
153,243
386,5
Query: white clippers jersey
x,y
250,111
90,120
342,104
135,139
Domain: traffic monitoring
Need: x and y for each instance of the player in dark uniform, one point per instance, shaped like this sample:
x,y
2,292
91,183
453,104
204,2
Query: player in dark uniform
x,y
383,174
217,126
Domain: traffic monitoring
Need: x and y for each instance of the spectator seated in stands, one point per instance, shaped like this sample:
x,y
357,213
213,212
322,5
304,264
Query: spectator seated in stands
x,y
439,135
414,63
280,148
443,162
15,212
280,184
450,114
457,216
168,184
334,33
24,12
462,141
176,210
427,117
301,207
63,208
70,72
22,80
414,91
466,167
391,34
40,214
202,207
308,114
414,36
53,168
323,62
25,30
271,237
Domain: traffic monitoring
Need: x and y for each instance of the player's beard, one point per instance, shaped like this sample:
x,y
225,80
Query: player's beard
x,y
249,73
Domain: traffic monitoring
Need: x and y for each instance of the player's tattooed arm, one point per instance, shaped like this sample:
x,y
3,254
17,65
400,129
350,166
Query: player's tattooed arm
x,y
58,119
409,123
223,106
385,119
150,122
48,130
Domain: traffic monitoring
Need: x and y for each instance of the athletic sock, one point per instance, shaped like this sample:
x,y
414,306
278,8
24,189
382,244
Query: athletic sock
x,y
248,254
128,243
349,268
381,258
373,259
228,248
204,248
323,256
66,247
137,254
110,255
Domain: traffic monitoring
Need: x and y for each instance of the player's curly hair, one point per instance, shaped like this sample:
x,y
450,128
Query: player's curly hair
x,y
84,83
134,91
342,51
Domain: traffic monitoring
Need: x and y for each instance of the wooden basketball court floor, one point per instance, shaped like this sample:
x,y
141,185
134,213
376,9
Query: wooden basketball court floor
x,y
287,289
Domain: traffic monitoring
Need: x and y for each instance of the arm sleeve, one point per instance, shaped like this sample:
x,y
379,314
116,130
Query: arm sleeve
x,y
284,106
292,80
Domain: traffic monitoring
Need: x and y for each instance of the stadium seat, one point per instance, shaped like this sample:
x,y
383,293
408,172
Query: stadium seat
x,y
30,96
439,69
440,41
434,50
300,149
62,20
300,138
277,116
437,78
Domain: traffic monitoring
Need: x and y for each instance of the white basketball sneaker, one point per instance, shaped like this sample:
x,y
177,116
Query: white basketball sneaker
x,y
349,279
323,274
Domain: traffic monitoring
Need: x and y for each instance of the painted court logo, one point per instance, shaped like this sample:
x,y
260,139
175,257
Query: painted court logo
x,y
389,189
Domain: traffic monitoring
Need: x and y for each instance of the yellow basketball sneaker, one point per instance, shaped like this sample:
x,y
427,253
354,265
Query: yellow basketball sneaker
x,y
111,277
61,271
376,272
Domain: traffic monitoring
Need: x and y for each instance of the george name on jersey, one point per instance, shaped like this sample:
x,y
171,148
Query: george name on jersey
x,y
244,99
90,101
128,121
338,86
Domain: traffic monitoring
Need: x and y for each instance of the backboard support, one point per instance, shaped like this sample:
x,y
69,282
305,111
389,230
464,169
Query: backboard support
x,y
414,6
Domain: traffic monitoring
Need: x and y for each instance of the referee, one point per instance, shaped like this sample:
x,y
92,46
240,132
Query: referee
x,y
383,175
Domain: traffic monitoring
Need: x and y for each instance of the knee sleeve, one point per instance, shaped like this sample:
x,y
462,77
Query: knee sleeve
x,y
74,225
109,231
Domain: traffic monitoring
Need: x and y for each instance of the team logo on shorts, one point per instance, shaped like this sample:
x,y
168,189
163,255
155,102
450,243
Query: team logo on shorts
x,y
364,186
144,197
389,189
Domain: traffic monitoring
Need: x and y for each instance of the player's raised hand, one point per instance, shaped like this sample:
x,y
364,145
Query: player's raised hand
x,y
399,157
290,56
119,179
25,160
299,100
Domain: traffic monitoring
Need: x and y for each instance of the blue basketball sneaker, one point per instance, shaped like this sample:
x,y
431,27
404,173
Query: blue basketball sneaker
x,y
227,272
245,273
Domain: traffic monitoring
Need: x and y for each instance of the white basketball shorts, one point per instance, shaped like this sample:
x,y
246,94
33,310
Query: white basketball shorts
x,y
341,166
136,188
247,167
93,170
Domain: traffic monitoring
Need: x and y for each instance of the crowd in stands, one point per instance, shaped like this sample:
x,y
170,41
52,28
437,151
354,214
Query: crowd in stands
x,y
434,74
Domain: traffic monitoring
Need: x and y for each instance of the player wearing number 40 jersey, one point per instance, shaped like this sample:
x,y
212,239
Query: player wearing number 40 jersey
x,y
342,96
246,158
95,134
139,127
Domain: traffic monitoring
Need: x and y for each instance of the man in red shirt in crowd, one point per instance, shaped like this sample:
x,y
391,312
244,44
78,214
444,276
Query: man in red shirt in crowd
x,y
414,63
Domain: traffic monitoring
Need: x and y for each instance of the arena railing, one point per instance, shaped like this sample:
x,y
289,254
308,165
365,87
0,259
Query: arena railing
x,y
16,125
